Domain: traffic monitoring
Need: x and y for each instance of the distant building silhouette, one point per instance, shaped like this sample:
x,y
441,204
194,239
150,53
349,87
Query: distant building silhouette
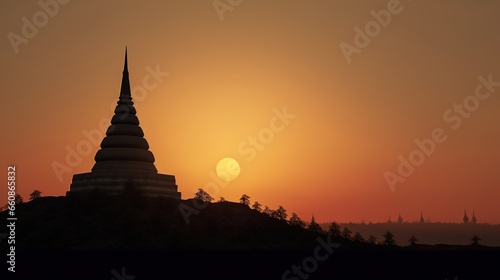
x,y
421,218
124,162
474,220
400,219
466,219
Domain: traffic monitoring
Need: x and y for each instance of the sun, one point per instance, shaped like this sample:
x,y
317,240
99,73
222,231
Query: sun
x,y
228,169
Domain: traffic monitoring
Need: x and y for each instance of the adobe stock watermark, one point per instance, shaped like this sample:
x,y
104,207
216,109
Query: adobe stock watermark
x,y
92,138
30,28
363,37
223,6
453,116
251,146
311,264
258,142
11,219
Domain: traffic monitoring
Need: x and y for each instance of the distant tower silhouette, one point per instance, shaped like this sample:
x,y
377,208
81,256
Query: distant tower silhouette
x,y
400,219
124,161
389,221
474,220
466,219
421,218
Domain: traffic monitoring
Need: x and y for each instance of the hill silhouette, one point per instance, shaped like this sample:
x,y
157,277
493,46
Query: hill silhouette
x,y
97,234
140,223
133,223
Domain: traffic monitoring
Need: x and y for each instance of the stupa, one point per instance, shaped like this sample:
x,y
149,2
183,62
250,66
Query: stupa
x,y
124,161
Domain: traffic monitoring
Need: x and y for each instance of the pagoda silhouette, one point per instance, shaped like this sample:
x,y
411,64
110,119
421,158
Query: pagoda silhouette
x,y
124,162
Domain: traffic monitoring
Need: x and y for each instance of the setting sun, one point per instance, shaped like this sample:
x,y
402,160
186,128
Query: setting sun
x,y
228,169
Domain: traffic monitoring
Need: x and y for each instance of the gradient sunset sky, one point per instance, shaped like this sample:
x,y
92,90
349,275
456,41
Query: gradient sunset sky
x,y
215,75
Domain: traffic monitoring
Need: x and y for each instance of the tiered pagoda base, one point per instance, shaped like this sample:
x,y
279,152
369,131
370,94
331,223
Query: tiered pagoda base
x,y
130,176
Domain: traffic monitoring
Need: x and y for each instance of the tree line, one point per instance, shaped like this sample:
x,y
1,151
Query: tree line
x,y
281,214
334,229
18,199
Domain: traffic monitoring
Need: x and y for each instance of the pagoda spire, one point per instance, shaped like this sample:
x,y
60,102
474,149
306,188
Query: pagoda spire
x,y
124,138
125,88
125,67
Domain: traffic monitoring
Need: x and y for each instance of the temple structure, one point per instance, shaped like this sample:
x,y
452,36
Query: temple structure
x,y
466,219
124,161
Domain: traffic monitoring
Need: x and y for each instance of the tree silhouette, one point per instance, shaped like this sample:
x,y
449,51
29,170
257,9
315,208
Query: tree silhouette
x,y
273,214
203,196
257,206
35,194
413,240
245,199
222,199
334,230
296,221
280,213
372,239
475,240
389,239
18,199
267,211
358,237
346,233
315,227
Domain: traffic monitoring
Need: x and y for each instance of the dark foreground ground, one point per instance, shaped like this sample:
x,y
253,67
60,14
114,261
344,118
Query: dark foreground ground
x,y
256,265
134,238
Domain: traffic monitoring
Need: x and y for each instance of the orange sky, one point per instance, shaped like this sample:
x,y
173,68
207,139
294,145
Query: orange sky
x,y
225,77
